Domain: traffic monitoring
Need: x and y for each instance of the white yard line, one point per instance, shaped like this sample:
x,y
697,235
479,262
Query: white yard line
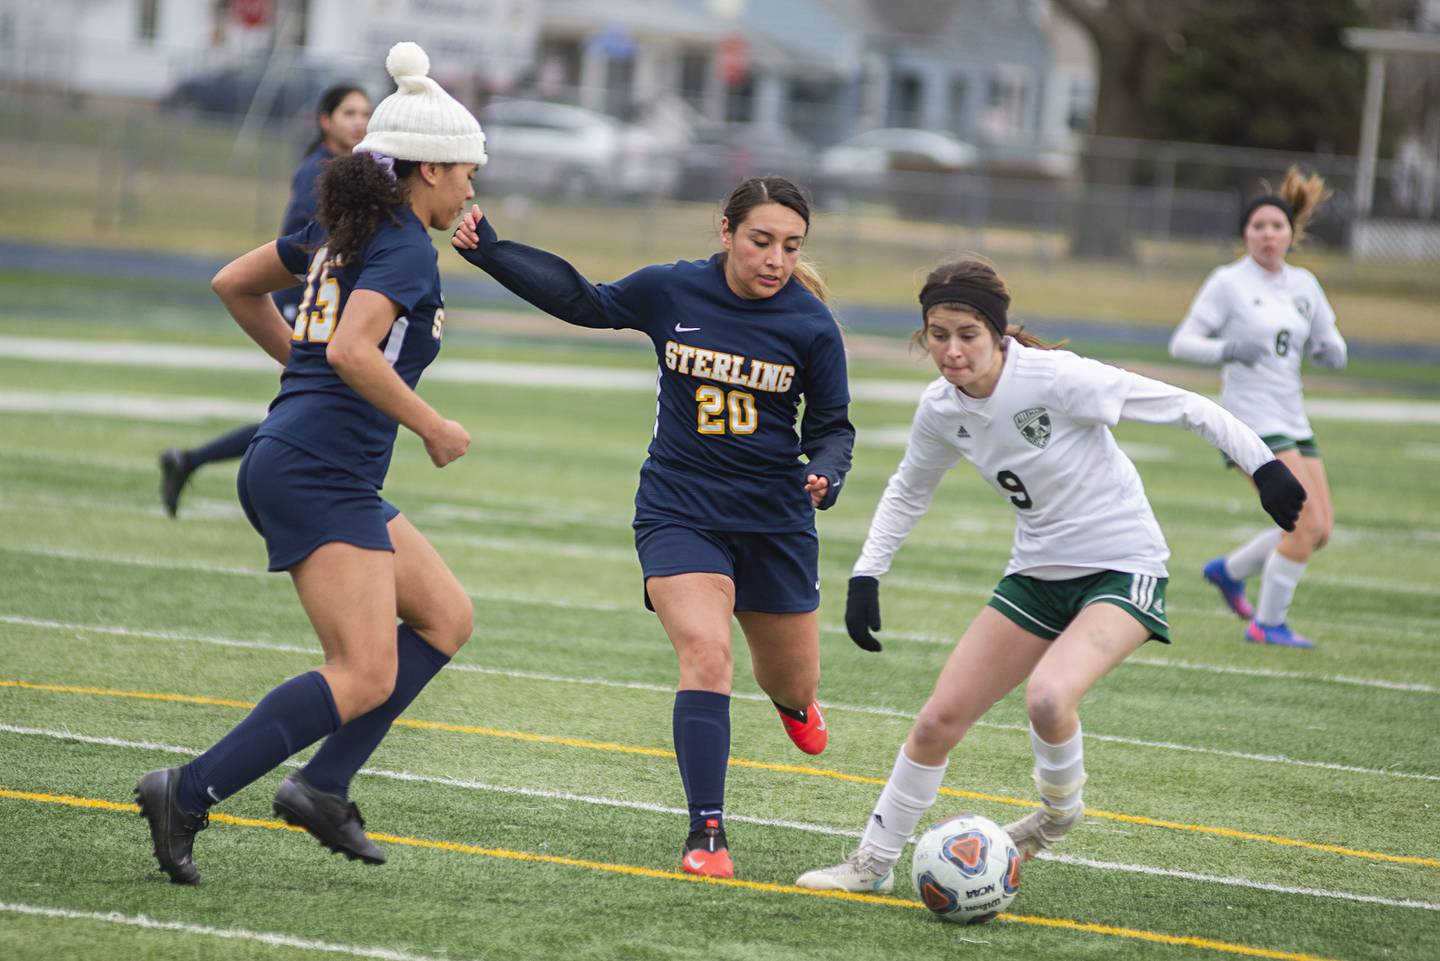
x,y
154,407
1402,626
1383,624
571,377
271,938
80,630
766,822
555,513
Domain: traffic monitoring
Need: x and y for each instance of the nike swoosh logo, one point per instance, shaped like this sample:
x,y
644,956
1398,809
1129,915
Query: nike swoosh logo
x,y
821,725
693,864
684,330
211,791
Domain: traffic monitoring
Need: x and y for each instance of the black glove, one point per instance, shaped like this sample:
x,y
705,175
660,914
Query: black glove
x,y
1281,494
862,612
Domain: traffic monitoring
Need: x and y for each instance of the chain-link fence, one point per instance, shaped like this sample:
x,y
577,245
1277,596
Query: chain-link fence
x,y
141,176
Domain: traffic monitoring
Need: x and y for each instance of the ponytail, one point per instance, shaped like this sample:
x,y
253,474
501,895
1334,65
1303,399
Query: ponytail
x,y
353,194
808,275
1304,195
1024,338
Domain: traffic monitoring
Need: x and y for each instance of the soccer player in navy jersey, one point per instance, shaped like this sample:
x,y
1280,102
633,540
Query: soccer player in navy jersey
x,y
340,120
725,512
370,321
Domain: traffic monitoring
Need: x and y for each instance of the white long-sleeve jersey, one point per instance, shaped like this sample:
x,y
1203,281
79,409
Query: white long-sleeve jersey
x,y
1285,311
1042,440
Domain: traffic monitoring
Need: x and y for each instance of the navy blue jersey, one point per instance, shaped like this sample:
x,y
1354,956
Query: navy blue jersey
x,y
315,410
725,453
299,212
301,208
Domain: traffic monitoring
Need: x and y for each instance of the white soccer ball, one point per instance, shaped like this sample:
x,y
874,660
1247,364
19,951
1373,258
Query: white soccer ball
x,y
966,869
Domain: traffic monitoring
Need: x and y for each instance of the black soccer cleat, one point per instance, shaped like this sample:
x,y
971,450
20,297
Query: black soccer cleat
x,y
172,831
175,471
331,819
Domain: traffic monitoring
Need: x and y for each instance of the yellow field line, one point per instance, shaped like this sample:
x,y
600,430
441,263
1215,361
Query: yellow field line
x,y
765,766
1157,937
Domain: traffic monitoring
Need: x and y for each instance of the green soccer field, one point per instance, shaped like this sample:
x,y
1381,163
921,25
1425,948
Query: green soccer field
x,y
1242,801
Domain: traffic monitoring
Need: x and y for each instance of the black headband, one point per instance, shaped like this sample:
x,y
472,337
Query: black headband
x,y
987,303
1267,200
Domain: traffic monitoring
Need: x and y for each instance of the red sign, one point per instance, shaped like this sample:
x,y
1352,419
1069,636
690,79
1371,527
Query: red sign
x,y
251,13
732,60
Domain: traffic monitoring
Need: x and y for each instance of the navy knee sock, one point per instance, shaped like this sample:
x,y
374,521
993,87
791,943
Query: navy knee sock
x,y
701,724
347,750
288,719
225,447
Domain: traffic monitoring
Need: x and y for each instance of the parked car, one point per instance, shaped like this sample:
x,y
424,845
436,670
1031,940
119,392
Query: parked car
x,y
560,150
231,90
882,159
723,154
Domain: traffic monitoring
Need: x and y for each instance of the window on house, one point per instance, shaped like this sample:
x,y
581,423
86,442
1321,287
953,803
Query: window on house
x,y
301,12
1008,111
1079,105
905,101
149,21
559,62
694,69
959,90
740,100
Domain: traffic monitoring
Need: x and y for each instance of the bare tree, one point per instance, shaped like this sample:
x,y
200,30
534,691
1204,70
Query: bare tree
x,y
1132,40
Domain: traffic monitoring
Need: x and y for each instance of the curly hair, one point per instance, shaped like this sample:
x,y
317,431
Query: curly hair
x,y
352,194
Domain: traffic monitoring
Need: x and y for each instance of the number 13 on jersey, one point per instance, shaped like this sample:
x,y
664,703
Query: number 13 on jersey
x,y
315,319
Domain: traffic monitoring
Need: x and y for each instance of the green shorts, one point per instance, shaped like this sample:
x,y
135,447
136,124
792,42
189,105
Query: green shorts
x,y
1046,608
1278,442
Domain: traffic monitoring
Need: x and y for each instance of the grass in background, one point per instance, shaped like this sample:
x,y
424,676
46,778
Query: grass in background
x,y
118,182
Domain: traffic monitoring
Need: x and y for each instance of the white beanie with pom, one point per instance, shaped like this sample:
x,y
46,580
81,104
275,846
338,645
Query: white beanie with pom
x,y
420,121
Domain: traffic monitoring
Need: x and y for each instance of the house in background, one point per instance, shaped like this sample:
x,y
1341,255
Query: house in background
x,y
1012,77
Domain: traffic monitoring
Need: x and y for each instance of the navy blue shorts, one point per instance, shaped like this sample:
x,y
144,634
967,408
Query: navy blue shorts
x,y
773,573
298,502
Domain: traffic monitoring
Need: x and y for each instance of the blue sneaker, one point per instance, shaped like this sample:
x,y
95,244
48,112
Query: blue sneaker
x,y
1232,590
1278,635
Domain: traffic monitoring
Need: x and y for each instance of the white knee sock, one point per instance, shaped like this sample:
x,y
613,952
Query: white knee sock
x,y
1249,558
908,794
1277,589
1059,769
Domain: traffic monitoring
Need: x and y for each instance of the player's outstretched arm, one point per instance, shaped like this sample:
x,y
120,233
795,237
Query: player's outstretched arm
x,y
536,276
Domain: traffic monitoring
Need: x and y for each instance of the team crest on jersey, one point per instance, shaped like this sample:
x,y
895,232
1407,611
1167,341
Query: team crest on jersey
x,y
1034,425
1302,304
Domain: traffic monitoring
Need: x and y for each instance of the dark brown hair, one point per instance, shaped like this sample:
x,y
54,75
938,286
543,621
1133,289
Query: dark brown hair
x,y
756,191
352,194
978,273
330,102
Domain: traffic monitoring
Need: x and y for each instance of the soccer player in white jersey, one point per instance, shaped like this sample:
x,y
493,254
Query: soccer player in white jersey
x,y
1256,317
1085,586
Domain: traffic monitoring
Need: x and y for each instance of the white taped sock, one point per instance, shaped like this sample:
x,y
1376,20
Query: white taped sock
x,y
908,794
1249,558
1059,769
1277,588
